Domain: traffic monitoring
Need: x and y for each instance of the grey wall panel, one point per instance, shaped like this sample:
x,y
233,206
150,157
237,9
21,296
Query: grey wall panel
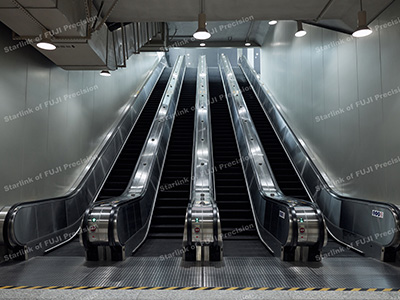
x,y
371,117
331,103
313,140
193,54
349,120
390,104
13,86
64,128
332,75
35,126
57,140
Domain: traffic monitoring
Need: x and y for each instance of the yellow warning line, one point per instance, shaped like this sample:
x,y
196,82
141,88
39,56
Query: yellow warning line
x,y
175,288
95,288
65,287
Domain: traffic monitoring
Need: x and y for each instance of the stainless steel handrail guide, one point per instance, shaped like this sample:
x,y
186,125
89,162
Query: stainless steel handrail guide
x,y
202,235
291,228
382,234
115,227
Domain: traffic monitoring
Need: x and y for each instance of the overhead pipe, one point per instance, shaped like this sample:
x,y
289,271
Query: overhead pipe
x,y
107,15
324,10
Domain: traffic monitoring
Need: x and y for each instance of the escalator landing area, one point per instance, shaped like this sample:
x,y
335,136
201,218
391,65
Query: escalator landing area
x,y
339,270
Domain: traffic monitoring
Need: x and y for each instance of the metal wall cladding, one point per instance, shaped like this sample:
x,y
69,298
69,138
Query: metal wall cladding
x,y
193,54
341,96
52,120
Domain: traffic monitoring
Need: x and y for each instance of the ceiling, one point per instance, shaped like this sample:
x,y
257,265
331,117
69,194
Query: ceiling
x,y
231,23
339,14
181,16
223,34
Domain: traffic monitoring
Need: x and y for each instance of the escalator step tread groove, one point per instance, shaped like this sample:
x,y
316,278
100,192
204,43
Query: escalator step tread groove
x,y
173,195
231,191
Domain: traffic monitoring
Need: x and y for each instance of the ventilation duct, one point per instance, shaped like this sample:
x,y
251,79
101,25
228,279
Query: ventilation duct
x,y
79,32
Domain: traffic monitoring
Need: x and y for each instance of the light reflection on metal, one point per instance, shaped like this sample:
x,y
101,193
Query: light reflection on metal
x,y
202,224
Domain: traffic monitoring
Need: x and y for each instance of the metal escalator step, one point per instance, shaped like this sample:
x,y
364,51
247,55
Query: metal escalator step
x,y
170,209
231,192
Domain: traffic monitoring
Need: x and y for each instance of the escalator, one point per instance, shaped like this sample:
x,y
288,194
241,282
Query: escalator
x,y
231,191
122,170
281,166
119,177
173,194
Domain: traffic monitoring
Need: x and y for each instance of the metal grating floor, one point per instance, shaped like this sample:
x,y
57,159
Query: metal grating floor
x,y
334,272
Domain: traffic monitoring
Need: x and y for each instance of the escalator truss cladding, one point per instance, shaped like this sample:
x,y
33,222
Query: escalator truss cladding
x,y
113,228
291,228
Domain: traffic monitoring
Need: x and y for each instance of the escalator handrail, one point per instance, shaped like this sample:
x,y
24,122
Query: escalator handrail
x,y
114,141
317,190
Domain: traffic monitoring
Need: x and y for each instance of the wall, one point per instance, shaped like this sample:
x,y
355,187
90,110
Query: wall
x,y
193,54
39,139
324,83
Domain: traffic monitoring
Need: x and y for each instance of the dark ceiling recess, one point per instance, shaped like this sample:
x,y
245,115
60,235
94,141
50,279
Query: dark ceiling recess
x,y
114,26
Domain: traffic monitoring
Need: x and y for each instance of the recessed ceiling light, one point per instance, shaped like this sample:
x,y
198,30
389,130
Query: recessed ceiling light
x,y
46,44
247,44
273,22
202,44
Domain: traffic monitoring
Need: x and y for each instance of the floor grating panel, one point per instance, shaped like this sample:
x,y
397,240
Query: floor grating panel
x,y
335,272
